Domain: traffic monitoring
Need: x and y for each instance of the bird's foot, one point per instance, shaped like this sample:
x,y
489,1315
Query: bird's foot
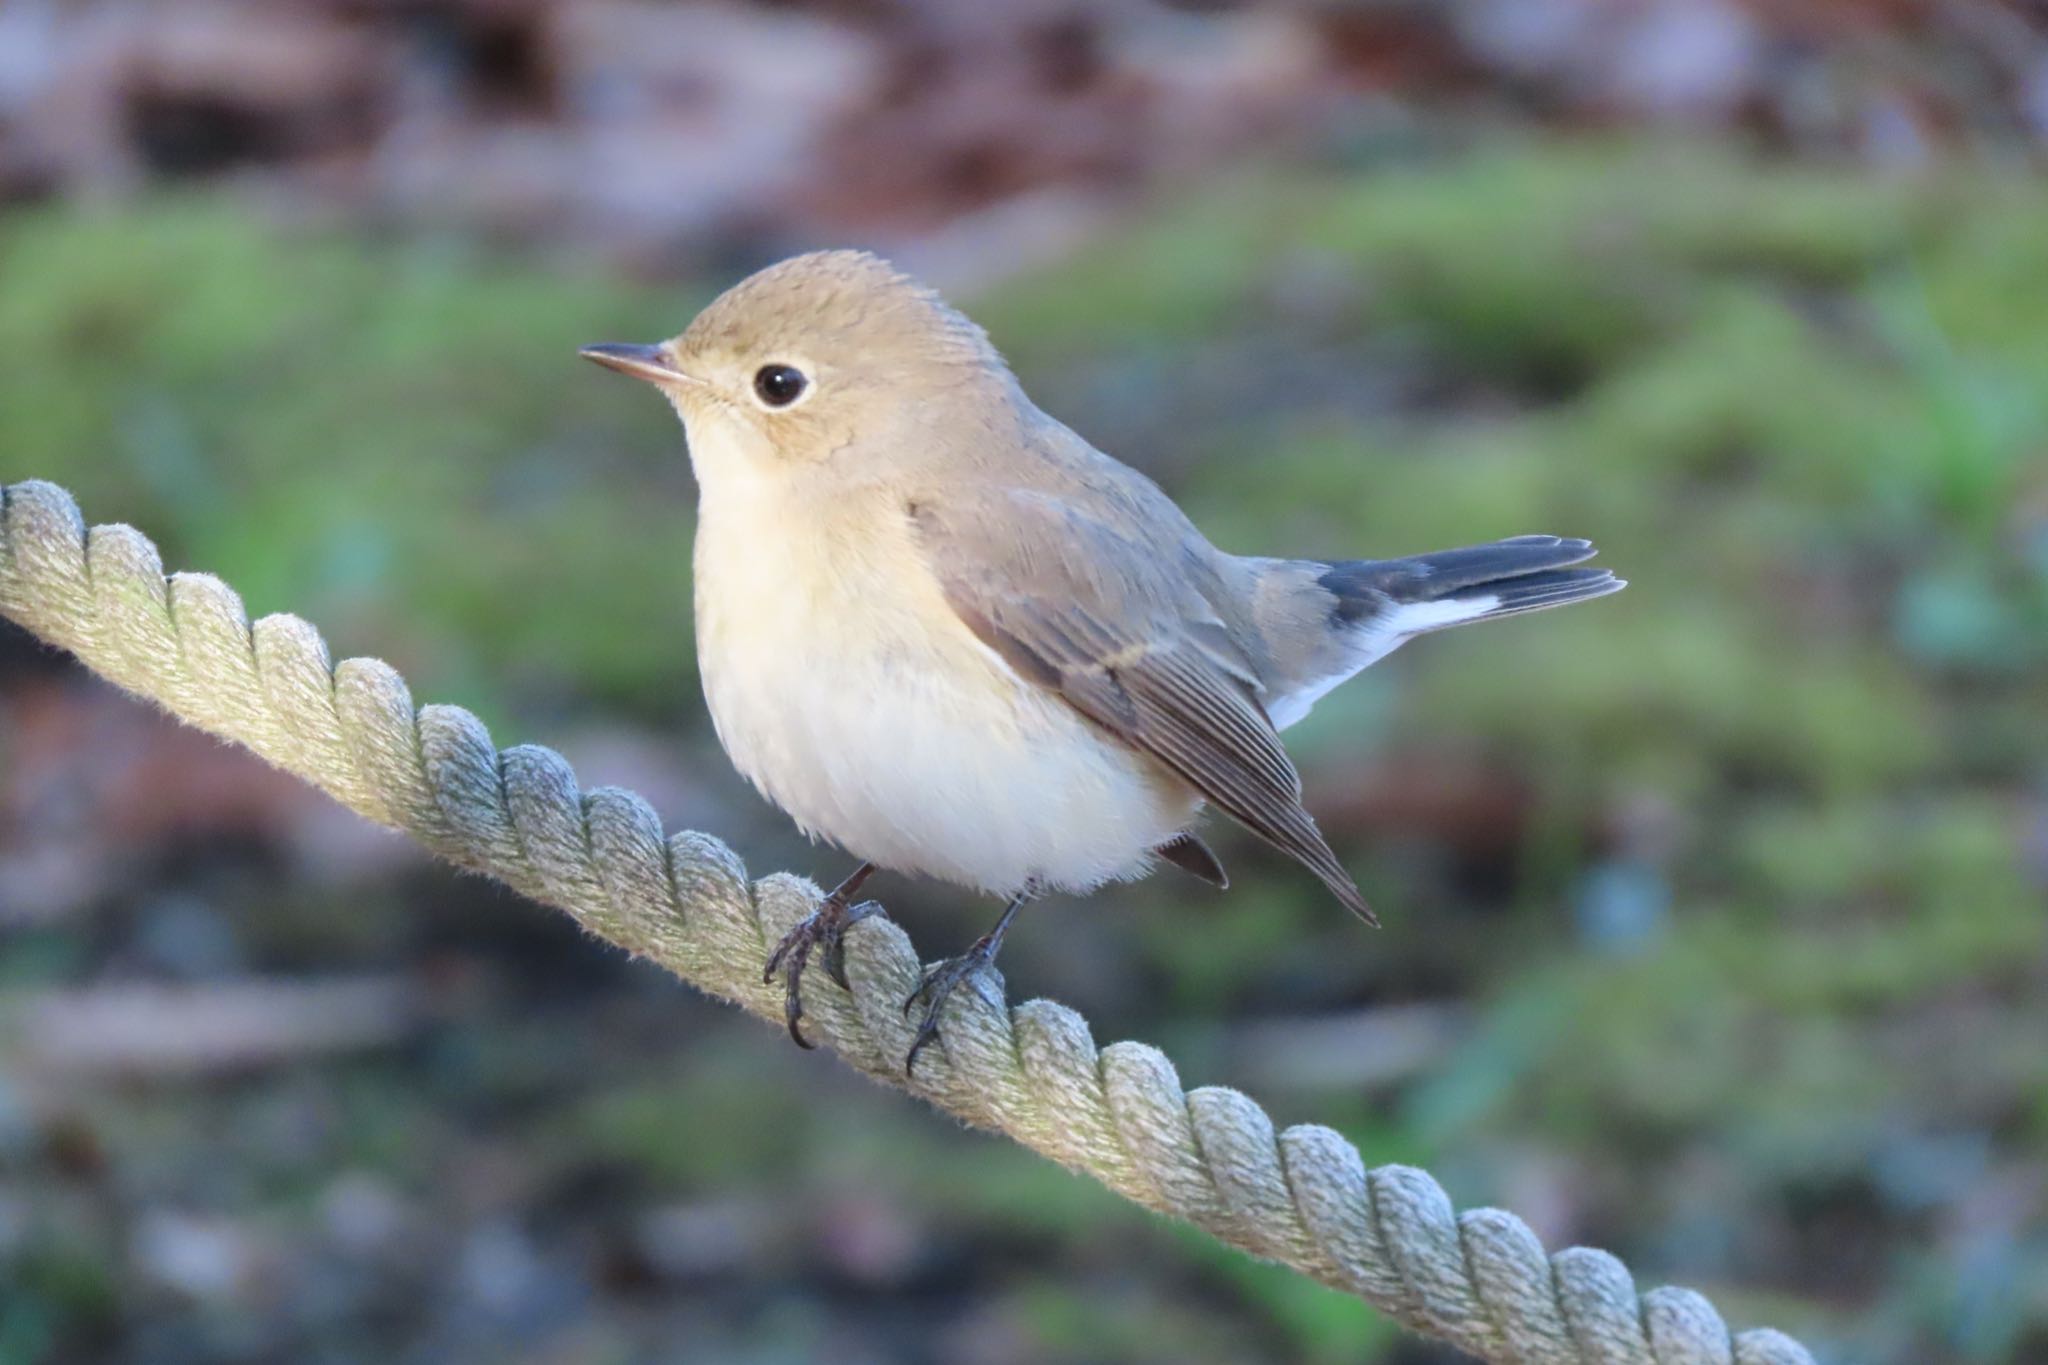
x,y
937,985
826,926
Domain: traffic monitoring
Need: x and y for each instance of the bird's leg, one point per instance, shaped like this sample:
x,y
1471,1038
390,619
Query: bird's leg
x,y
826,925
939,980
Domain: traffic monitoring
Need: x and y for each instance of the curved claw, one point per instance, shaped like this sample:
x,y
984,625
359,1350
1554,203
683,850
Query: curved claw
x,y
782,950
916,1046
936,987
795,950
941,979
793,1013
827,926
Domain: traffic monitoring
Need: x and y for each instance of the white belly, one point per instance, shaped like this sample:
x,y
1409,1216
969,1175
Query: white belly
x,y
844,688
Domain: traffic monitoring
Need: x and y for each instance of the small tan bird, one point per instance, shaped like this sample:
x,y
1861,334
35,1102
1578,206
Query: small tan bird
x,y
944,632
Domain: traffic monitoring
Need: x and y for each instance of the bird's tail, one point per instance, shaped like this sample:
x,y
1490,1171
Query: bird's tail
x,y
1397,598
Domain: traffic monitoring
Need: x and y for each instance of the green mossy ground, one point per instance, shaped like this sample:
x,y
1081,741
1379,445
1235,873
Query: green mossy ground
x,y
1759,971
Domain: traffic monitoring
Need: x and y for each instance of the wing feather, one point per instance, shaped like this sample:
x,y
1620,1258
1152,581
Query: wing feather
x,y
1090,616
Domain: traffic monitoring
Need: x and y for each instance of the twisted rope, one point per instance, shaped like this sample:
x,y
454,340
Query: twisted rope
x,y
1302,1197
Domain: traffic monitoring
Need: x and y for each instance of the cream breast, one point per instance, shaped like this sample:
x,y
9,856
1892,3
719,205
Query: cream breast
x,y
845,689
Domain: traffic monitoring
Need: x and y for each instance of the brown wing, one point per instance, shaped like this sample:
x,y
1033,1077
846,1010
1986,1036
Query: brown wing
x,y
1099,619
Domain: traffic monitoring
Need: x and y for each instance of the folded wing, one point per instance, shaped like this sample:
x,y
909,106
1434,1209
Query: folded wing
x,y
1108,626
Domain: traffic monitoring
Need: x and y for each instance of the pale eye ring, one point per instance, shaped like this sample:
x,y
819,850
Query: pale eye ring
x,y
779,385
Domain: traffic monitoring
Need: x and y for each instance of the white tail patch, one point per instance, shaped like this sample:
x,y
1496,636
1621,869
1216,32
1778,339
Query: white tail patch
x,y
1417,618
1374,639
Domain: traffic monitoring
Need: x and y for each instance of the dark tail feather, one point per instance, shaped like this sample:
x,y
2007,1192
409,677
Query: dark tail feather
x,y
1554,588
1505,578
1191,855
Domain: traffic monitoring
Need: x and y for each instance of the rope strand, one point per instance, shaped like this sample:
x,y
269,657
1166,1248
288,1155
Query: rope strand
x,y
1302,1197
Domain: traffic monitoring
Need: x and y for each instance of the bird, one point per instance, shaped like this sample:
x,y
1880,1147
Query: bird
x,y
940,630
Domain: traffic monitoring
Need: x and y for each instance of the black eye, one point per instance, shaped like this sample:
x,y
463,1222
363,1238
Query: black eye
x,y
779,385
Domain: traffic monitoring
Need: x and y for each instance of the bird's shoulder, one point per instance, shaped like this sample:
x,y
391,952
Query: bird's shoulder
x,y
1061,507
1061,578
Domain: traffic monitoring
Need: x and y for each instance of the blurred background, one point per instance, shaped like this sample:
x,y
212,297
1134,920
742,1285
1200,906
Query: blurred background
x,y
1715,912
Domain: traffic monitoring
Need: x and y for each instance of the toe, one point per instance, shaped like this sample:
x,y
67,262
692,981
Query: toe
x,y
917,1045
793,1013
926,983
835,962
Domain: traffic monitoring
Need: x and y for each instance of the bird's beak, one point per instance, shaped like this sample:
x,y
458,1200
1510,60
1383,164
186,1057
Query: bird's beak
x,y
642,362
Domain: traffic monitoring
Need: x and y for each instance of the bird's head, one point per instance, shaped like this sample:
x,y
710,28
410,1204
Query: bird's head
x,y
810,357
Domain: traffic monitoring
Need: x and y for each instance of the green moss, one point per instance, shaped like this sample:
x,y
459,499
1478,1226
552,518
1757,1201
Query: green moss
x,y
331,426
716,1128
1797,406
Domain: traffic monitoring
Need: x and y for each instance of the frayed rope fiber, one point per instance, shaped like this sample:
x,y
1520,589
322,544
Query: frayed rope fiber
x,y
1479,1280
